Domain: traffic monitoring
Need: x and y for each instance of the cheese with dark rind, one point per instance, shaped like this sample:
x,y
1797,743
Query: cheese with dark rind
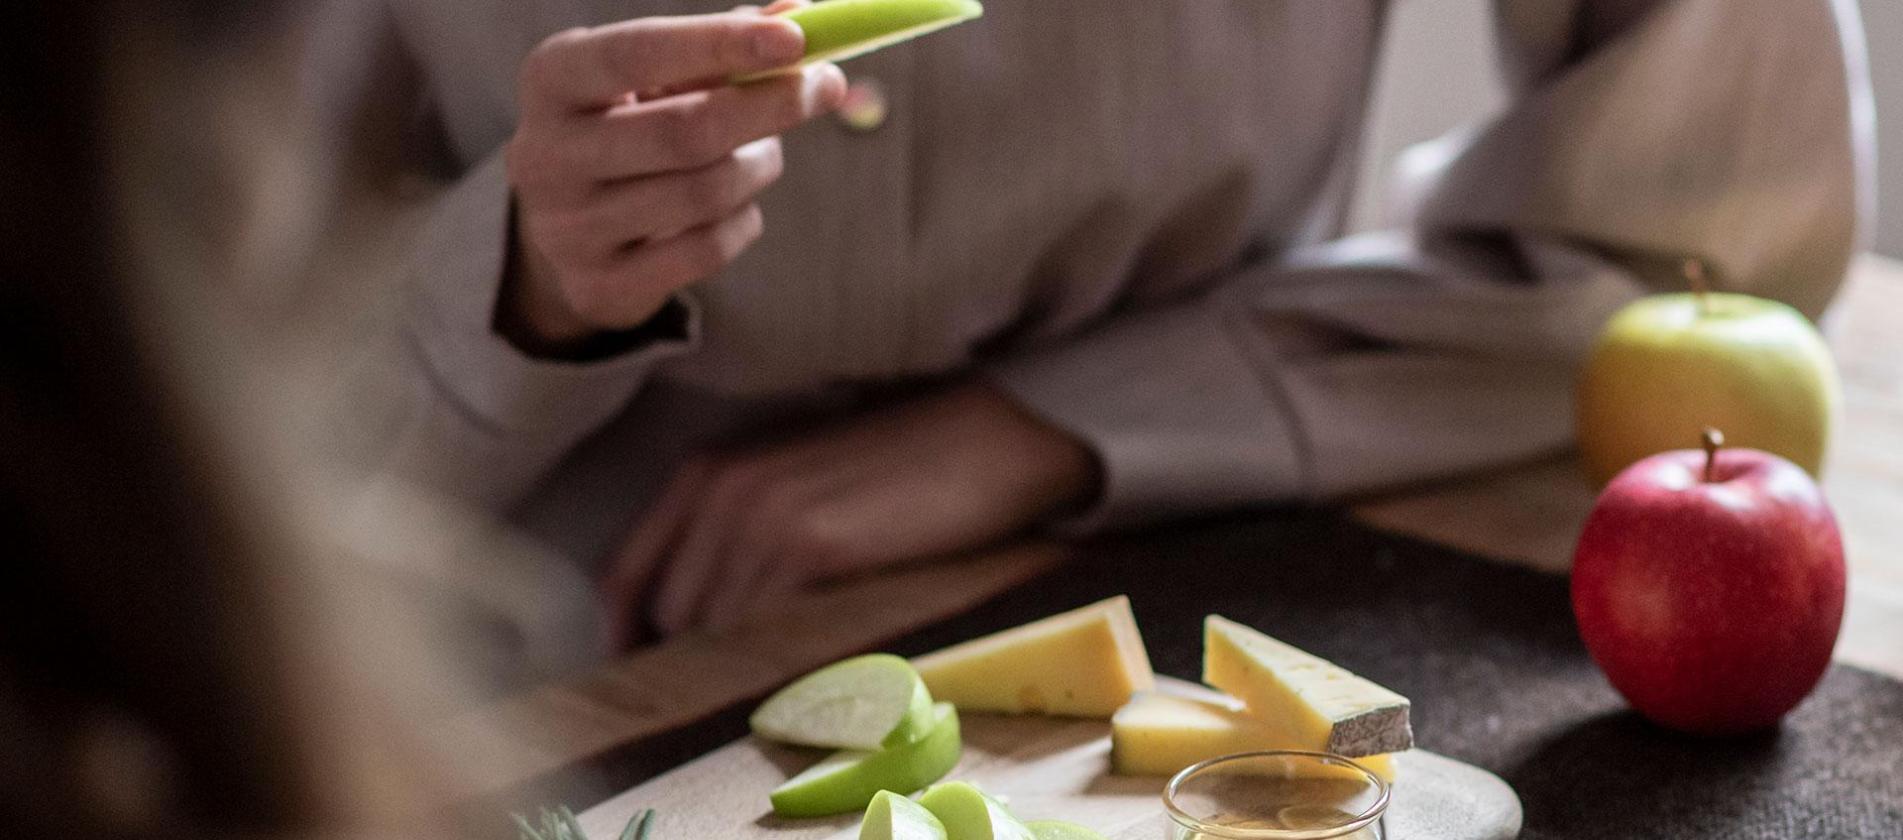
x,y
1318,701
1160,734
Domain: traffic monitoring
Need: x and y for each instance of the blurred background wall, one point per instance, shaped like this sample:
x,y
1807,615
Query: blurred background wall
x,y
1447,46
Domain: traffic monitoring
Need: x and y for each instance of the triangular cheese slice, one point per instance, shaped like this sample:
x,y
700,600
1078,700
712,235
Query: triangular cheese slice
x,y
1083,663
1159,734
1324,706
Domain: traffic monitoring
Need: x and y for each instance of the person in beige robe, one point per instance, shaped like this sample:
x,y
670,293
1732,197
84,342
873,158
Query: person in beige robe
x,y
1087,271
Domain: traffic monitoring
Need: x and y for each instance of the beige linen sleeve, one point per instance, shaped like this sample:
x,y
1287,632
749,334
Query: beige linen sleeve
x,y
482,421
1639,133
437,397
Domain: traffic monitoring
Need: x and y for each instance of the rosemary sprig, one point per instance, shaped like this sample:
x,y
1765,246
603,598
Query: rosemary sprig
x,y
561,824
638,826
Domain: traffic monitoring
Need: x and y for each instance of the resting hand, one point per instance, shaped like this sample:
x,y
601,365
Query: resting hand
x,y
734,533
636,165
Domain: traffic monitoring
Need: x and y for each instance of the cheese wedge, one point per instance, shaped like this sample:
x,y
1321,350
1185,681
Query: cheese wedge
x,y
1083,663
1323,705
1160,734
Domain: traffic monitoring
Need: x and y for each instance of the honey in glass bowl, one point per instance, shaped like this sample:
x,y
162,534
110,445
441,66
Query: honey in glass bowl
x,y
1277,795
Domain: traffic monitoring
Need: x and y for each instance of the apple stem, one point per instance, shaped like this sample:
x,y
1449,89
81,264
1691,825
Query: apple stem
x,y
1700,281
1713,440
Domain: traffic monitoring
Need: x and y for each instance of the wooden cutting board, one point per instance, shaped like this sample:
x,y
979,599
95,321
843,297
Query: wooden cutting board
x,y
1045,768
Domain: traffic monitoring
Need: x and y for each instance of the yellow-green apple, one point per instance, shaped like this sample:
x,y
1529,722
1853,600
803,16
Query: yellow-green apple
x,y
1709,587
1669,365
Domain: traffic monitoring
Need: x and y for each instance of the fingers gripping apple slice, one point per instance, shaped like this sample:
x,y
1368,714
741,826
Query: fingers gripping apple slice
x,y
1325,707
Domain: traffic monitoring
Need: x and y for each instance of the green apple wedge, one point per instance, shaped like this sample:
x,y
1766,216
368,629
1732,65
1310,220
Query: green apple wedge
x,y
970,814
837,30
849,780
863,703
894,817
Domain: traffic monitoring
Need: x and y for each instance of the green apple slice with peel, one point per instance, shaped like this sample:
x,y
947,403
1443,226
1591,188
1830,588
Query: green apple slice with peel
x,y
969,814
1060,830
837,30
863,703
848,780
891,816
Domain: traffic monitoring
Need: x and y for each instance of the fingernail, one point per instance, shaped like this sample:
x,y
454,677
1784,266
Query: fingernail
x,y
826,84
779,42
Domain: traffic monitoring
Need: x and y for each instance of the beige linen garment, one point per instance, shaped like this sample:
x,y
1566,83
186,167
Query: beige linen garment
x,y
1127,213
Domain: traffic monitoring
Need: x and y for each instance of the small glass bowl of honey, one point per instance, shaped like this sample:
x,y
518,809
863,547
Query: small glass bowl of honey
x,y
1277,795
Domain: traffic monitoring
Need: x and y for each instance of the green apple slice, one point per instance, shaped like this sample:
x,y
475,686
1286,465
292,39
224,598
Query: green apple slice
x,y
837,30
1060,830
863,703
848,780
894,817
969,814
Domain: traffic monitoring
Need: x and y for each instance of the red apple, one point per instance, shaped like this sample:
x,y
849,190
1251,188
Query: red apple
x,y
1709,587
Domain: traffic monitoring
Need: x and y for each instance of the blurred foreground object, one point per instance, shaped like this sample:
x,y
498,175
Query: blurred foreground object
x,y
197,638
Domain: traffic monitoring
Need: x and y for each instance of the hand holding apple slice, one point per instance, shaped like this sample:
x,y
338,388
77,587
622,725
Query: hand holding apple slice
x,y
863,703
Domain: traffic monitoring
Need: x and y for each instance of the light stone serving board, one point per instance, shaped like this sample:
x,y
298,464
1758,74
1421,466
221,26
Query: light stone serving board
x,y
1044,768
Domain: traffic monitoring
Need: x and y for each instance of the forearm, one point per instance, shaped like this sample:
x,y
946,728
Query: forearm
x,y
455,405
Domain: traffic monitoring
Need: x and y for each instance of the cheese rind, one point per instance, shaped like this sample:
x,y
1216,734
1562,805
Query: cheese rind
x,y
1324,706
1160,734
1082,663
